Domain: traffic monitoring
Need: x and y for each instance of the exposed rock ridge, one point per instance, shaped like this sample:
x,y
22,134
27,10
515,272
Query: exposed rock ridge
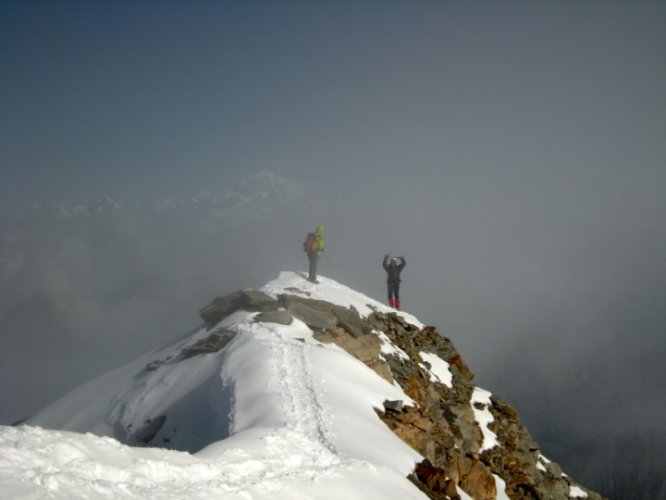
x,y
444,429
443,425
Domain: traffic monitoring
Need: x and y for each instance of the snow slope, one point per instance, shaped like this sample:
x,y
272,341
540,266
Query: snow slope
x,y
275,414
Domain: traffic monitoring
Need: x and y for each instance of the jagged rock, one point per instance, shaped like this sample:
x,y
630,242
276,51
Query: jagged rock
x,y
441,425
314,313
393,405
215,342
414,429
503,409
444,430
279,317
479,483
350,320
247,299
365,348
437,484
321,315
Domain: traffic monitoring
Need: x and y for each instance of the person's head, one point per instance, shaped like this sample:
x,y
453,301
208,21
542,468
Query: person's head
x,y
394,261
319,230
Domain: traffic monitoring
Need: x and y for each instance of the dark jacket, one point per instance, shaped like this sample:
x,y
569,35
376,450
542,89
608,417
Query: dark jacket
x,y
393,270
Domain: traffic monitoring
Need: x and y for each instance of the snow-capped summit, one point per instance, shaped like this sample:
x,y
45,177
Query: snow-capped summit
x,y
296,390
263,186
266,184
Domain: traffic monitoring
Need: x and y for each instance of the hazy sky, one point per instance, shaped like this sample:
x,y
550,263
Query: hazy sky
x,y
141,99
513,151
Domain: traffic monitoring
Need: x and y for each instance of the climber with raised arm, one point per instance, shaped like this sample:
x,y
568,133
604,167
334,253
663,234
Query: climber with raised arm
x,y
393,266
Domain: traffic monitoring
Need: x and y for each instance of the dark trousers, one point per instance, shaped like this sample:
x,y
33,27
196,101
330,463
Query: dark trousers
x,y
393,290
313,258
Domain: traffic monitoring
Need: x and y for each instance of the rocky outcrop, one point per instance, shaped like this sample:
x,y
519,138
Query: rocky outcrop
x,y
247,299
365,347
278,317
444,429
215,342
320,315
443,422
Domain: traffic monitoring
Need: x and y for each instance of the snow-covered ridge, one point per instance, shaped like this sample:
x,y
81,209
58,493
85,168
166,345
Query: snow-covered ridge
x,y
331,291
276,413
262,404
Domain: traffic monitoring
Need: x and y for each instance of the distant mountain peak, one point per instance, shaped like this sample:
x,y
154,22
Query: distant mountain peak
x,y
263,186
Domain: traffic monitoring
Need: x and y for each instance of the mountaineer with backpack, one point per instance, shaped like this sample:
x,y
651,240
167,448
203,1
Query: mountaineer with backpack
x,y
313,244
393,266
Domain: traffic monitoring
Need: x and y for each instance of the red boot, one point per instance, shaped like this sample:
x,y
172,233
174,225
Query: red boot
x,y
391,302
397,304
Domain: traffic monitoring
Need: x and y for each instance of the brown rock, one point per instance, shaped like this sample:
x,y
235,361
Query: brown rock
x,y
364,348
433,477
479,483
